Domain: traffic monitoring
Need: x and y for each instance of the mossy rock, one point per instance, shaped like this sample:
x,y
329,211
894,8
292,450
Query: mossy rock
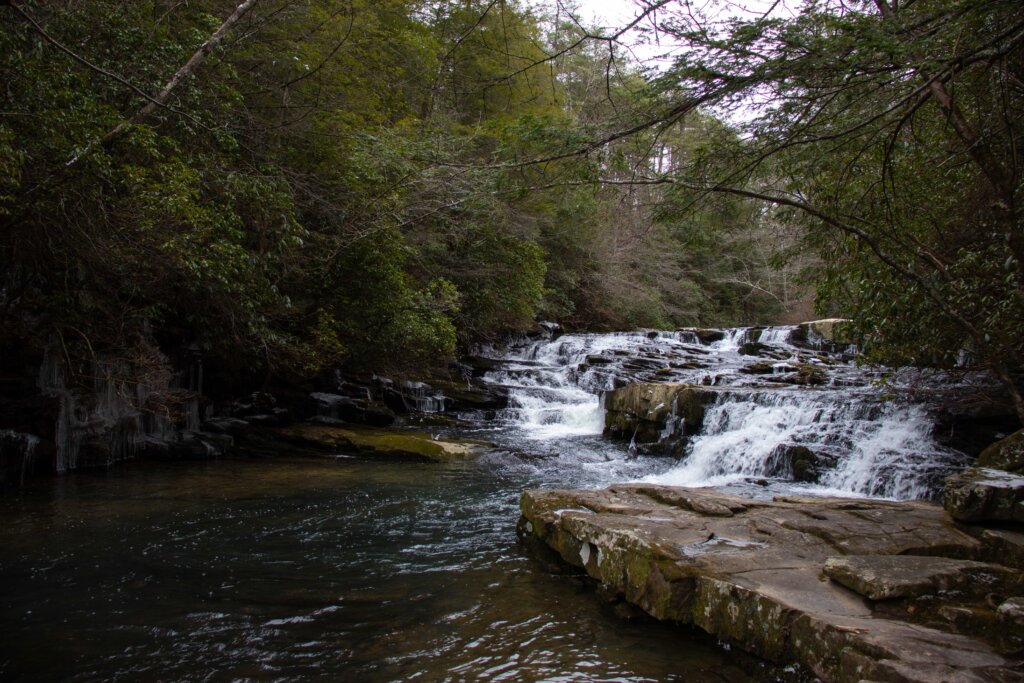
x,y
1006,454
641,411
384,442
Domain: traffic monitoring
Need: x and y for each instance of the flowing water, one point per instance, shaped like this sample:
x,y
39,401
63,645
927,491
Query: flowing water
x,y
347,568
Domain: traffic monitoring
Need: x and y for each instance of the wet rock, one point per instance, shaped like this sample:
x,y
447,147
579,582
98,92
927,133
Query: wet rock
x,y
480,365
703,335
830,334
354,410
975,418
470,395
799,463
885,577
761,367
981,494
185,446
277,416
805,375
257,403
552,330
1006,454
1011,613
749,571
651,412
754,349
382,442
337,406
225,425
1004,546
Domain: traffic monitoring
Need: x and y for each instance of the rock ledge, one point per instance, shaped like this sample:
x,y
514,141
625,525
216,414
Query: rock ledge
x,y
754,572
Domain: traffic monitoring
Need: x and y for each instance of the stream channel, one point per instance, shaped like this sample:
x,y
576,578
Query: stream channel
x,y
350,568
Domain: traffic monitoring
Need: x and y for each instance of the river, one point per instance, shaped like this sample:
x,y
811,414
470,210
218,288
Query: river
x,y
347,568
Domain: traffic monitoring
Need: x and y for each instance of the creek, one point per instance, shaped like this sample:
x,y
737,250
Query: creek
x,y
352,568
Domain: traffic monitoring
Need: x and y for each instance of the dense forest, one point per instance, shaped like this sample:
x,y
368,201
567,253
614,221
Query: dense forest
x,y
292,186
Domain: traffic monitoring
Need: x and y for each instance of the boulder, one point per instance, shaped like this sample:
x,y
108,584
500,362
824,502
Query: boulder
x,y
754,349
799,463
1006,454
349,409
750,572
653,412
225,425
981,494
705,336
828,333
550,329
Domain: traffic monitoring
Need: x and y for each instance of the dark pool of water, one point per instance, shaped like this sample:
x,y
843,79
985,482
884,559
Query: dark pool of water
x,y
300,569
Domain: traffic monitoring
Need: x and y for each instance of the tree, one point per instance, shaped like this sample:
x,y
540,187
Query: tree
x,y
891,132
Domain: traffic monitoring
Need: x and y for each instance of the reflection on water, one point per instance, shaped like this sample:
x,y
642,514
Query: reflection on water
x,y
305,569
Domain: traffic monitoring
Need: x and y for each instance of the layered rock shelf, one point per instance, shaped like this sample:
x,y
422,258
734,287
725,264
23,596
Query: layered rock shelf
x,y
855,590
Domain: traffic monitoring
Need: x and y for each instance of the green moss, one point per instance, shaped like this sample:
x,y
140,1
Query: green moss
x,y
419,445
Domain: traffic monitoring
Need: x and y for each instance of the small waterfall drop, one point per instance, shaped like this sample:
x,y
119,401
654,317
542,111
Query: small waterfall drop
x,y
862,445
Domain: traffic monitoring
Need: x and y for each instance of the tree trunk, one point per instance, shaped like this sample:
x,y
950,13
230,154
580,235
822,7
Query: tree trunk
x,y
197,58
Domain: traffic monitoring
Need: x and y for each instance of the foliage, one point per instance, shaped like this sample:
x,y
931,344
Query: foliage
x,y
338,183
889,133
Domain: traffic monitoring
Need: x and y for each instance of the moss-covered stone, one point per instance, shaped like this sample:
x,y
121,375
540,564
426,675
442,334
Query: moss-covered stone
x,y
384,442
1006,454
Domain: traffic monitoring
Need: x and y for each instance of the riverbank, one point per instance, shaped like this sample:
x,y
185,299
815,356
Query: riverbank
x,y
853,589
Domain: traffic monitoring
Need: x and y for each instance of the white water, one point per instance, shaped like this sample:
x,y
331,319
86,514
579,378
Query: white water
x,y
880,449
550,398
866,445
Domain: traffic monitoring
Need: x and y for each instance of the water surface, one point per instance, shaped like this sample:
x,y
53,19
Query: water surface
x,y
301,569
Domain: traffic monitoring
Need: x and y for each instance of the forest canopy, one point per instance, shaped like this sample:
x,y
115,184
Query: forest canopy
x,y
294,185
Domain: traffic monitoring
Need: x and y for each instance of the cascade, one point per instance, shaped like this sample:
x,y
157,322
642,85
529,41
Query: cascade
x,y
861,442
425,398
868,446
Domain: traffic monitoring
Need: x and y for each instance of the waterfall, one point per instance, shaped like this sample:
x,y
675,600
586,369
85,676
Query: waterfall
x,y
775,335
555,392
842,436
425,398
865,446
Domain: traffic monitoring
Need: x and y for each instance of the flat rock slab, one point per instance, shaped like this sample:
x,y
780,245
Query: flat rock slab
x,y
383,442
885,577
752,572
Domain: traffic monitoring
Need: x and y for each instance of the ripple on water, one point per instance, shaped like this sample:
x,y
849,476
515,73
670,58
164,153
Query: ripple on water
x,y
313,569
